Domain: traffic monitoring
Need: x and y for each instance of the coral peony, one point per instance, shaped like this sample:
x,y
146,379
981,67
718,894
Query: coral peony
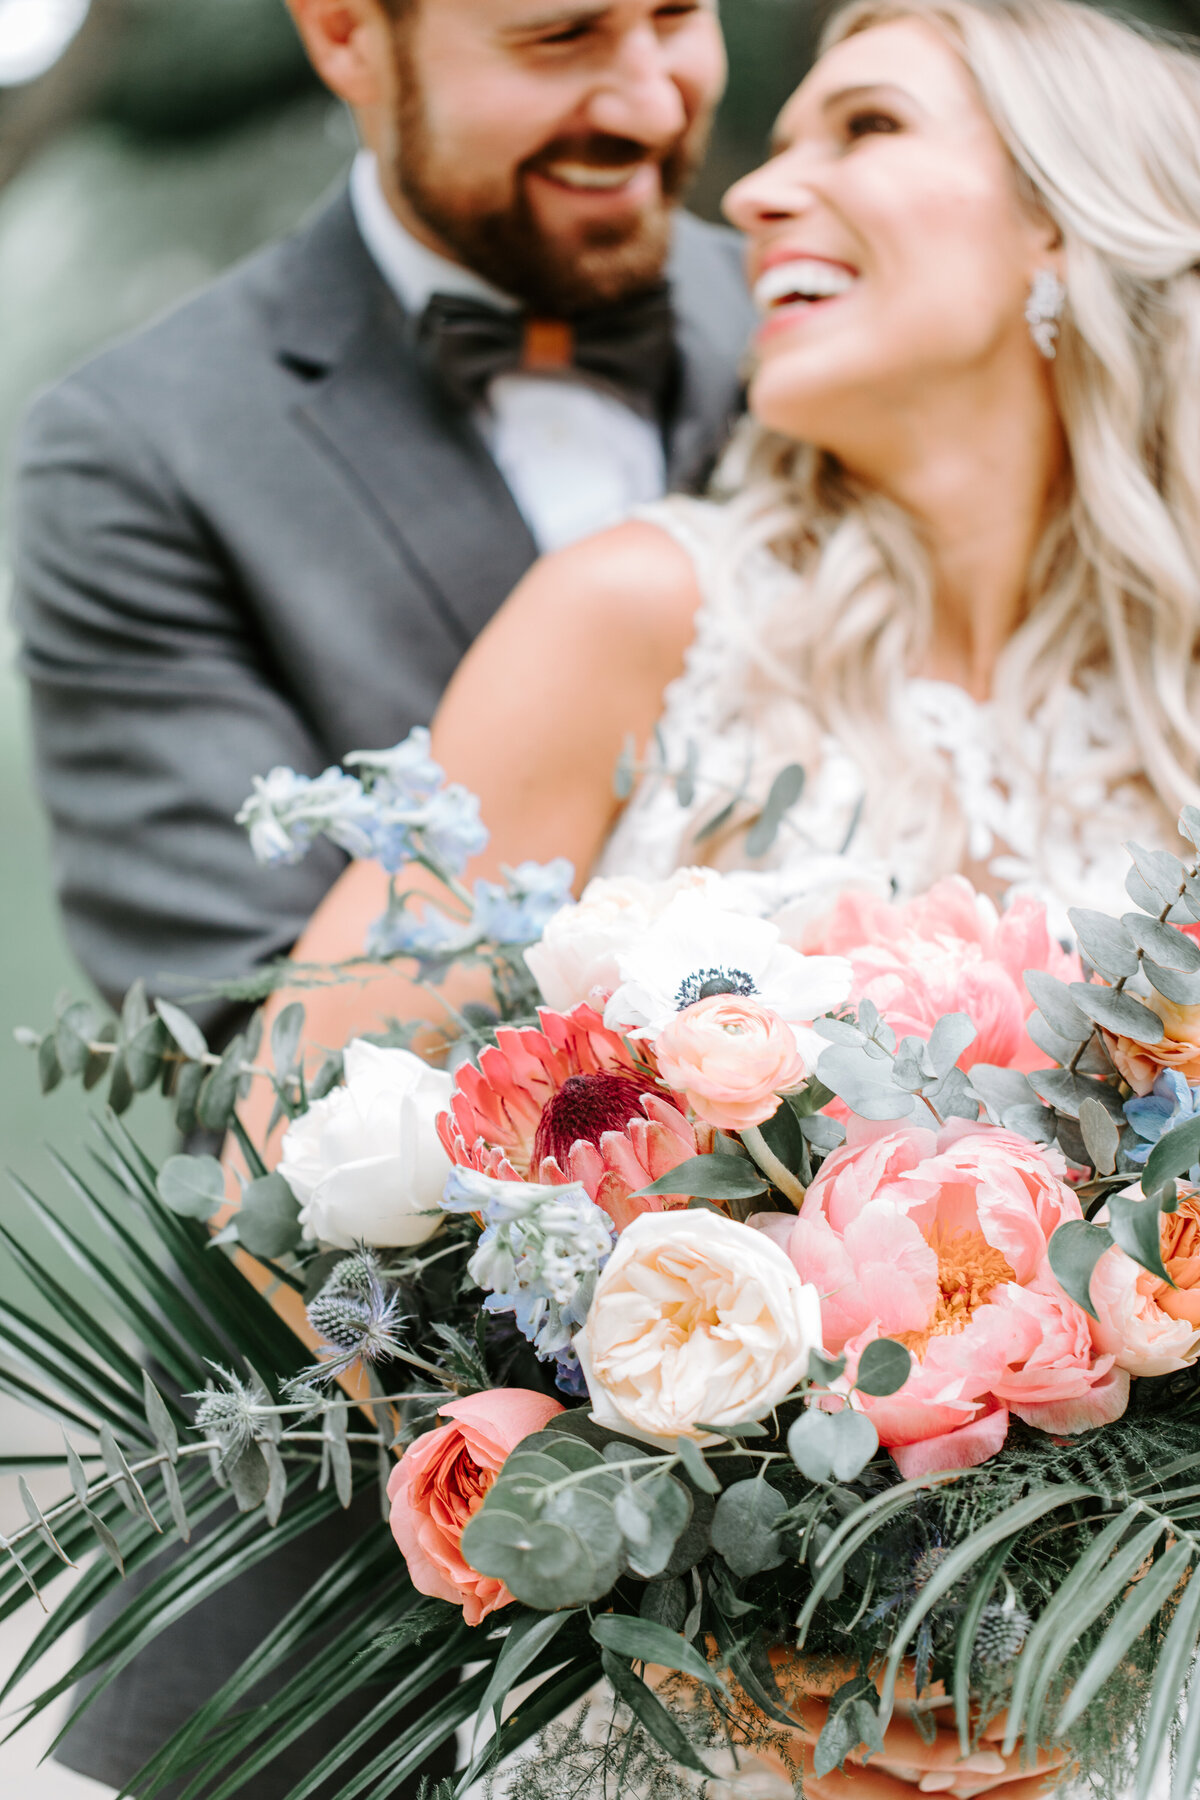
x,y
1150,1327
941,1240
948,951
696,1320
1142,1061
731,1058
567,1103
443,1478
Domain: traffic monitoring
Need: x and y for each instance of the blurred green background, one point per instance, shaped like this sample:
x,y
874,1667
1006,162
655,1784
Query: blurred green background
x,y
162,141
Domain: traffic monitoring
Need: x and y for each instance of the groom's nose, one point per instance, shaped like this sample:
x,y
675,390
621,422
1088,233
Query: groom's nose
x,y
638,93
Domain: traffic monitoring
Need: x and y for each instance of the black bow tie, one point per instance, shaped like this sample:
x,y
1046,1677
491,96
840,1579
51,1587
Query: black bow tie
x,y
628,348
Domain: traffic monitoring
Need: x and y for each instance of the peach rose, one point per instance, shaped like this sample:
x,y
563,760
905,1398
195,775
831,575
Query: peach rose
x,y
941,1240
948,951
1178,1048
695,1320
1150,1327
441,1480
731,1058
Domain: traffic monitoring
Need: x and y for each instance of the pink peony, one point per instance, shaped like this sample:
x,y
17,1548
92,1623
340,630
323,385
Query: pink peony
x,y
949,951
442,1479
731,1058
570,1102
940,1240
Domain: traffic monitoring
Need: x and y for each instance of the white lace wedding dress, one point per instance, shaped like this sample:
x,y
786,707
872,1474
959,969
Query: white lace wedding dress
x,y
1068,853
1017,840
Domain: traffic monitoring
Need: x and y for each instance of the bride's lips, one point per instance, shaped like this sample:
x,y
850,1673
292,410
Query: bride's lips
x,y
793,284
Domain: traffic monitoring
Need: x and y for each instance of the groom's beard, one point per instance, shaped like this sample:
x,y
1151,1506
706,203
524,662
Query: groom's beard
x,y
493,227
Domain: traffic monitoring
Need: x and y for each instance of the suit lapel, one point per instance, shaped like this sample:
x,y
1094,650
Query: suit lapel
x,y
415,461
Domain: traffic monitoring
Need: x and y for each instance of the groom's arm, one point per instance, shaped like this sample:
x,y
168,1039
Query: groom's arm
x,y
153,702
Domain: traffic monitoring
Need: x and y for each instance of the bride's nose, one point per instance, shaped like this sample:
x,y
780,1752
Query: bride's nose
x,y
769,195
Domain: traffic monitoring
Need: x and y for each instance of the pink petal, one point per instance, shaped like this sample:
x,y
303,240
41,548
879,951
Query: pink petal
x,y
965,1448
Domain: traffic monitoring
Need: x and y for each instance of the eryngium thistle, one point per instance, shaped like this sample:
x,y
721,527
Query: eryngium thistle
x,y
1003,1629
231,1413
355,1325
354,1275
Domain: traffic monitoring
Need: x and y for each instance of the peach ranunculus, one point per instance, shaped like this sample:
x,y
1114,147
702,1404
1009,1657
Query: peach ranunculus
x,y
1150,1327
695,1320
940,1240
731,1058
948,951
1141,1062
442,1479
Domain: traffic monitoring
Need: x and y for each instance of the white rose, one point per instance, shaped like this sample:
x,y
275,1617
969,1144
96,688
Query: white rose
x,y
577,958
366,1163
695,1320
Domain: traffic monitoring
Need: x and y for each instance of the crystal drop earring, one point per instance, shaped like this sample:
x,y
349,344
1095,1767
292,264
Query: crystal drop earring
x,y
1043,310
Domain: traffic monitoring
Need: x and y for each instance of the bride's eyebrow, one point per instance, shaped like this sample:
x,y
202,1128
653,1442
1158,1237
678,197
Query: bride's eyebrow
x,y
782,139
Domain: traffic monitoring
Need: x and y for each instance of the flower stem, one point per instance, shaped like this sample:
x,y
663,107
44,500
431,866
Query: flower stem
x,y
771,1166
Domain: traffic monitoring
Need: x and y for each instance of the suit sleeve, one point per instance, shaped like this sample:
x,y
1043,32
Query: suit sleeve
x,y
154,704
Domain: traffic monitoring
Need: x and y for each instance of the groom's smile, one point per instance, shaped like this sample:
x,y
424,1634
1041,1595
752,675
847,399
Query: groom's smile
x,y
541,143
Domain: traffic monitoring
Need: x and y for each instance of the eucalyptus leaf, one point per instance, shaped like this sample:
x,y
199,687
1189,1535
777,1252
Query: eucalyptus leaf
x,y
1054,1000
218,1097
1100,1136
1058,1049
667,1506
1184,990
953,1033
832,1446
144,1055
690,1455
625,772
249,1477
120,1087
1117,1012
1074,1250
188,1083
268,1220
135,1011
1159,873
192,1186
823,1134
785,791
1109,944
72,1034
1173,1155
710,1178
824,1370
853,1719
158,1417
1136,1225
864,1083
883,1367
544,1564
49,1068
665,1603
1169,947
745,1527
183,1029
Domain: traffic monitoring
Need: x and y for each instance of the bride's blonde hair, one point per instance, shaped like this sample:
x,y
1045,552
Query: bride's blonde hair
x,y
1103,125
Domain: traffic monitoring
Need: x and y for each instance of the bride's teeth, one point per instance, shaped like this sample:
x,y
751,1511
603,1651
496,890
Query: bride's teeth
x,y
807,278
587,175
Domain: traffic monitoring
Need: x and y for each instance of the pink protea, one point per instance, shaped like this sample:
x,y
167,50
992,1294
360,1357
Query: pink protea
x,y
948,951
570,1102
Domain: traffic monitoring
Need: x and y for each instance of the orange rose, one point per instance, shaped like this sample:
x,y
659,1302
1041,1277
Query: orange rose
x,y
442,1479
1178,1048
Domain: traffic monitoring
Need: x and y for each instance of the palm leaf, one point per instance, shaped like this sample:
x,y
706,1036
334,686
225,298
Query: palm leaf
x,y
32,1344
1173,1663
1147,1596
964,1645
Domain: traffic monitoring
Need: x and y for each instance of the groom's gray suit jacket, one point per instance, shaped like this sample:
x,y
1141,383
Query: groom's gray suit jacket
x,y
260,533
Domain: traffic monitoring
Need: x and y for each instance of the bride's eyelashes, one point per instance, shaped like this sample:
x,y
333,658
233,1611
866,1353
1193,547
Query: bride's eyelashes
x,y
871,122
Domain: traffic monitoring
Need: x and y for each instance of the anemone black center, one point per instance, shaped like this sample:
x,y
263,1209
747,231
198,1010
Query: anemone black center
x,y
705,984
586,1106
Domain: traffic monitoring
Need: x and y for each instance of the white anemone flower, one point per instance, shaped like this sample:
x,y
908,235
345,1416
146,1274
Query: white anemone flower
x,y
696,948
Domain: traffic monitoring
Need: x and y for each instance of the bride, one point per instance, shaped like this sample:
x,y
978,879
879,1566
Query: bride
x,y
953,566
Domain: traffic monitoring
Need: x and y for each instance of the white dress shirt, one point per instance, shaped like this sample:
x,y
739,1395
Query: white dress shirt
x,y
575,459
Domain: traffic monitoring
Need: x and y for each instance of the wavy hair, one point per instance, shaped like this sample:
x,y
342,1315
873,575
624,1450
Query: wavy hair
x,y
1102,122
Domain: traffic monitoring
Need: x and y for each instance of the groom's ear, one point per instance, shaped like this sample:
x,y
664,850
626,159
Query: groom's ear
x,y
351,45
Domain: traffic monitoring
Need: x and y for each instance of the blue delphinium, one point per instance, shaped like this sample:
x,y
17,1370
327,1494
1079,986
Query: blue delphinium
x,y
538,1256
1169,1102
519,911
286,812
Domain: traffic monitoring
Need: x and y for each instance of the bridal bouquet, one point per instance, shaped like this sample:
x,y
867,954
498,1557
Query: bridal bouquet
x,y
797,1330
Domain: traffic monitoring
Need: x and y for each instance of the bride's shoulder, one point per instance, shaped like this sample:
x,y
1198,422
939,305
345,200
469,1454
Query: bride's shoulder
x,y
630,589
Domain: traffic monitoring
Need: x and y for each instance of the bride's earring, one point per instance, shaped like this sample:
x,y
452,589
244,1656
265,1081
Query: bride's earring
x,y
1043,310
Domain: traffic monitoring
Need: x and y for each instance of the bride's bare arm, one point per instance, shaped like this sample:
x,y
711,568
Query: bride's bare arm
x,y
533,722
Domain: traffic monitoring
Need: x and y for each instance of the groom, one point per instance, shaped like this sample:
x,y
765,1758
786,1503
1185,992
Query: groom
x,y
265,530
